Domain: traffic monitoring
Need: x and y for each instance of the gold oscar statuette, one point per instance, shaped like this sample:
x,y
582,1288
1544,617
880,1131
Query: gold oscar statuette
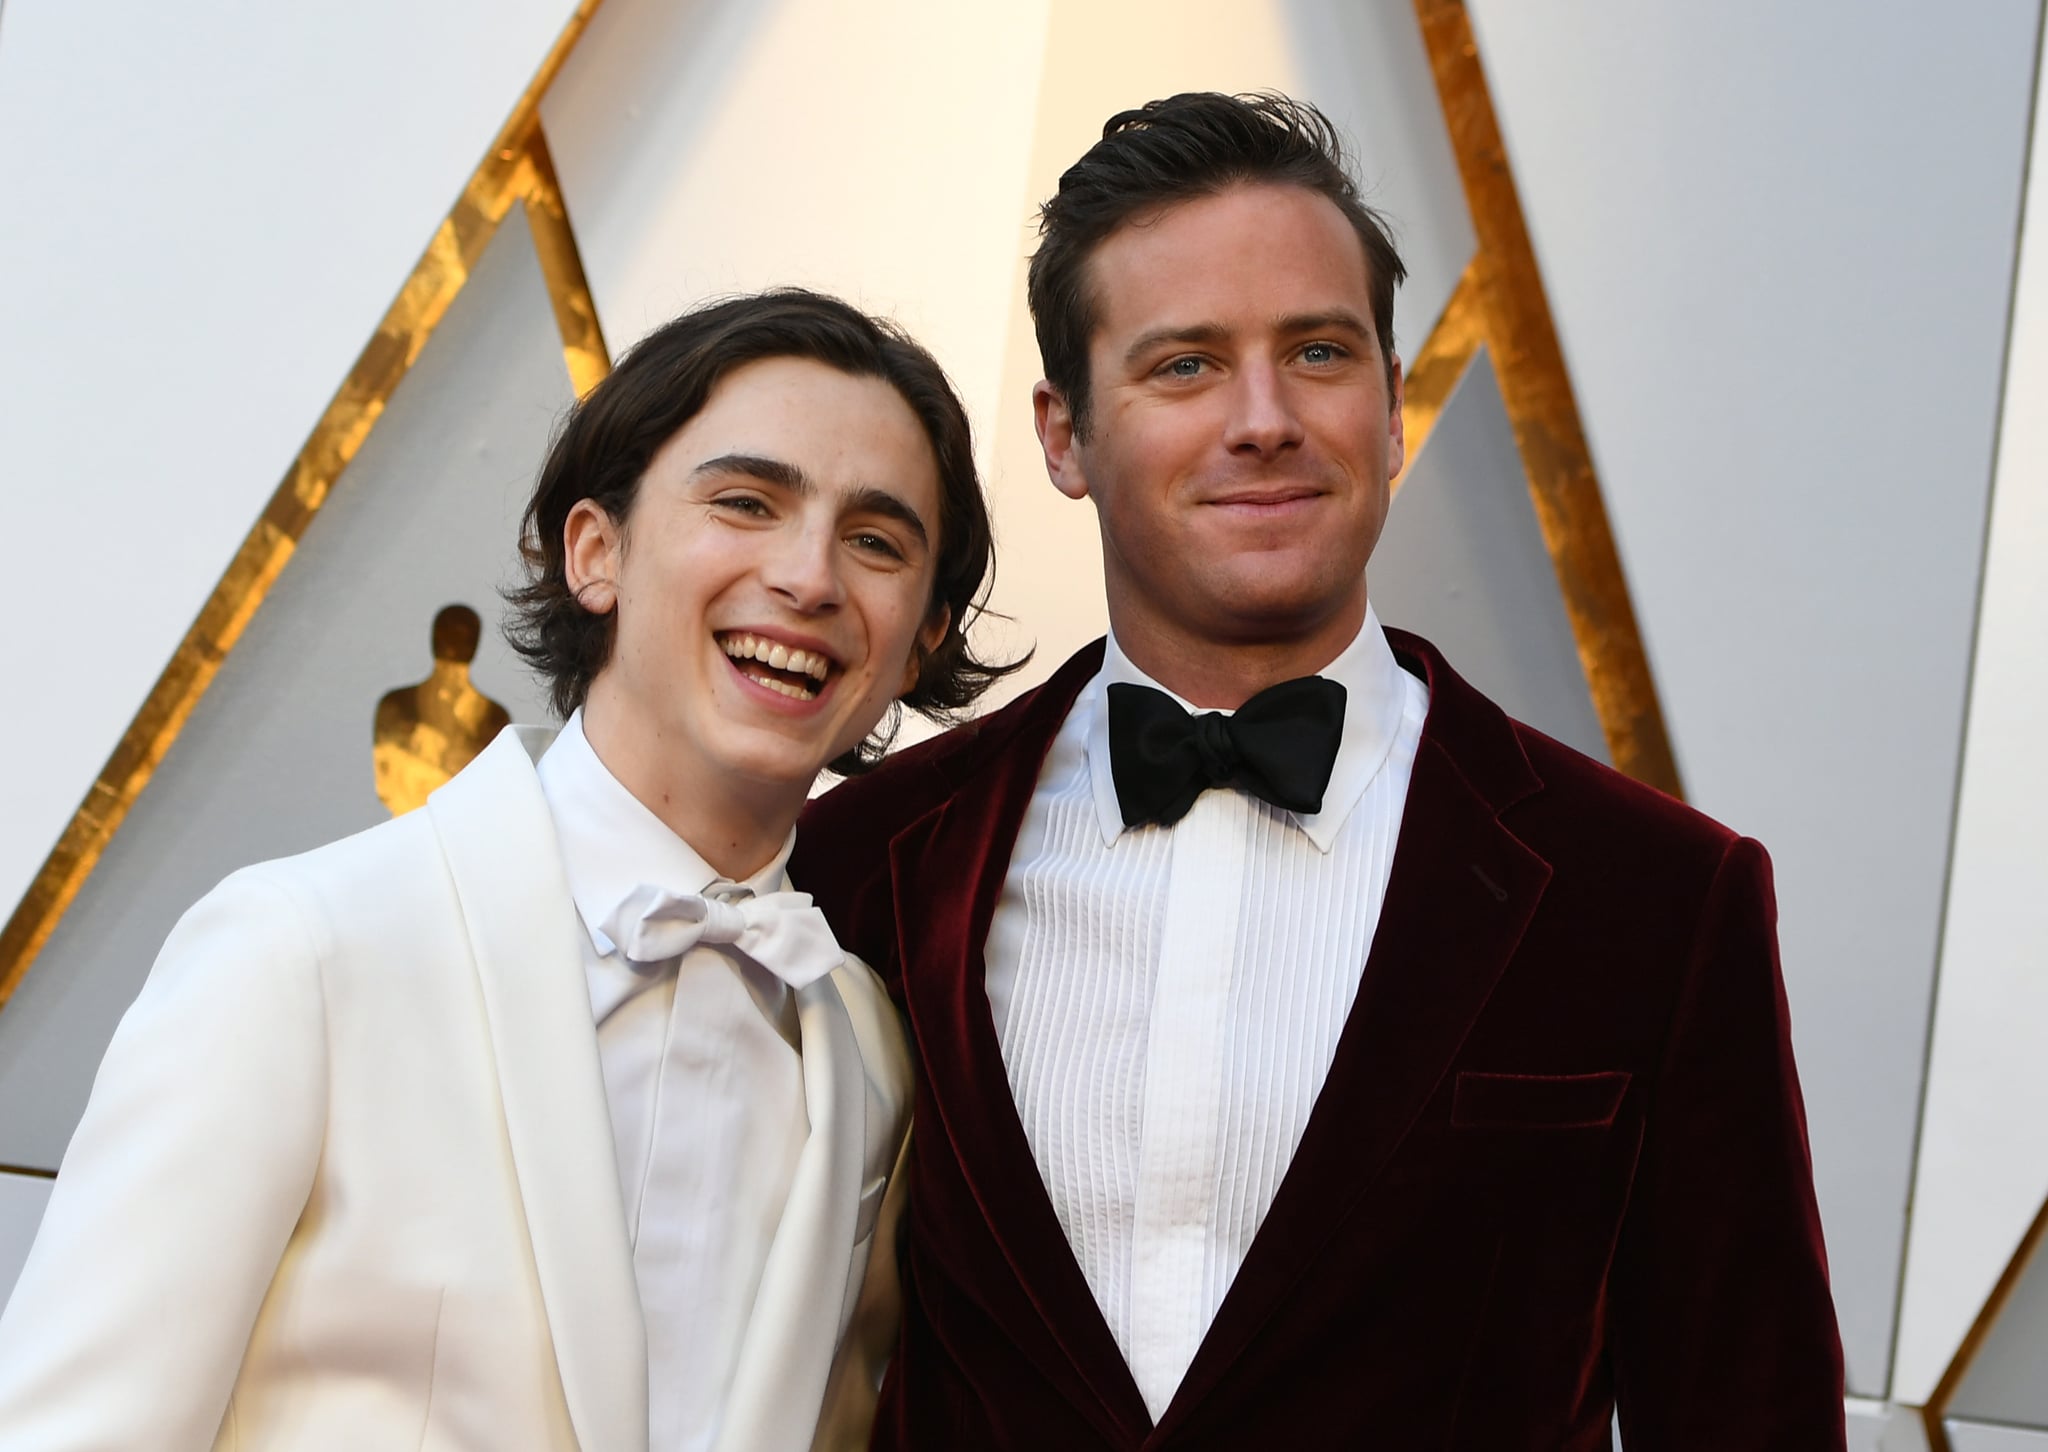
x,y
425,733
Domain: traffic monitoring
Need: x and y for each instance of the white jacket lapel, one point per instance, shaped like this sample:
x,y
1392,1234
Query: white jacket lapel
x,y
786,1356
502,854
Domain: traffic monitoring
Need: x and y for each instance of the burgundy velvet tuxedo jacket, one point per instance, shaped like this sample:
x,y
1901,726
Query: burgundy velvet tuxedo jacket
x,y
1560,1158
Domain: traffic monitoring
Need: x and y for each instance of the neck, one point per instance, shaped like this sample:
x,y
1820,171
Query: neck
x,y
1221,674
446,686
735,825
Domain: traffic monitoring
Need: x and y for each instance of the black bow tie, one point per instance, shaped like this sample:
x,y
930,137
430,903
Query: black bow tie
x,y
1279,747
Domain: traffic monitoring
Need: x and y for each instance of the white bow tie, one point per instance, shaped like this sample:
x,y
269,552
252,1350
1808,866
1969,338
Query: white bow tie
x,y
780,931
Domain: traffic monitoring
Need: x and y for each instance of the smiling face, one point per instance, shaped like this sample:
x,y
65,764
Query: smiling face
x,y
1243,431
772,586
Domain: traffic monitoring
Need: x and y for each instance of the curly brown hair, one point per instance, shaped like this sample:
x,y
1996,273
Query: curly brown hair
x,y
606,442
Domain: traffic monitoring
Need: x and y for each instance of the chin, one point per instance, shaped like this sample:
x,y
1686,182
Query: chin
x,y
1263,616
1270,590
770,767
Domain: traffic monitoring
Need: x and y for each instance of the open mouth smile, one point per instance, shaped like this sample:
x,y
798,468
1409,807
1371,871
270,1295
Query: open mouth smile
x,y
798,674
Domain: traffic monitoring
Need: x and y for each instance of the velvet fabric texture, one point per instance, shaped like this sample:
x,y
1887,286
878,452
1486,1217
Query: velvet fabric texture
x,y
1560,1158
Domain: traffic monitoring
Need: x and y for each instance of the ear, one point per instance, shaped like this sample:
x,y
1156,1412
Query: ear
x,y
1397,436
1055,424
928,637
591,545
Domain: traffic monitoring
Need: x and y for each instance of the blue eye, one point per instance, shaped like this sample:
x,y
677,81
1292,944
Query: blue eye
x,y
1322,353
1186,367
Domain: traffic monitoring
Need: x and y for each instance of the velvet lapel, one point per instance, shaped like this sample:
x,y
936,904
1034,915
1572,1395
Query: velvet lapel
x,y
947,872
786,1356
500,847
1461,892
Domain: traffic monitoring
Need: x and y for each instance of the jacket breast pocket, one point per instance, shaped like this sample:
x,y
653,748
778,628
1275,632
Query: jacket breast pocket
x,y
1537,1101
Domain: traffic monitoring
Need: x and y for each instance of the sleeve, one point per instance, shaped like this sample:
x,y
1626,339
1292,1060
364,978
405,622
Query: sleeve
x,y
846,1421
1723,1329
842,860
179,1191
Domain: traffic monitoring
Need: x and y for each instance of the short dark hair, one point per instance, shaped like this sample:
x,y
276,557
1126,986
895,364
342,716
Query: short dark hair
x,y
1192,145
606,442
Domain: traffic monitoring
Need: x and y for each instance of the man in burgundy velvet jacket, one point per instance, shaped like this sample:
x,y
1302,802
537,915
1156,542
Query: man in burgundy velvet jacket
x,y
1309,1054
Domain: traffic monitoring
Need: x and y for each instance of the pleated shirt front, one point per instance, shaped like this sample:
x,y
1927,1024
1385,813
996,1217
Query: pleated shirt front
x,y
1169,999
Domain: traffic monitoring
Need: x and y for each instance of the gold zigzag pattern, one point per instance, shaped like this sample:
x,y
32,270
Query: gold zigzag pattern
x,y
1516,326
1934,1416
1499,302
516,168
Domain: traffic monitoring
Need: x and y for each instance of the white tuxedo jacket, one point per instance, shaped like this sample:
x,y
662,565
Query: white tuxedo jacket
x,y
346,1178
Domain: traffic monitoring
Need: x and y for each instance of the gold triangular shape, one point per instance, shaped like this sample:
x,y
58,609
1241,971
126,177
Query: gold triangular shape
x,y
1499,302
516,167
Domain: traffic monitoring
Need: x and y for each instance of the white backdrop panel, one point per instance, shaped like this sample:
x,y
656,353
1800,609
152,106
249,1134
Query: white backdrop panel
x,y
22,1198
1983,1169
875,151
1463,563
2004,1382
208,208
1778,241
1989,1437
277,756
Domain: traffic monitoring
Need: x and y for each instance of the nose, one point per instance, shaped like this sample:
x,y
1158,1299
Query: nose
x,y
804,567
1262,420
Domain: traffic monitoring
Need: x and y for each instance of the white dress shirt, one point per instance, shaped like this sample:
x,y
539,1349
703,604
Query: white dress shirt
x,y
705,1085
1169,999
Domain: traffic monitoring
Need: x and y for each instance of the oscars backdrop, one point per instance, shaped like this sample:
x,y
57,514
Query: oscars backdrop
x,y
1717,328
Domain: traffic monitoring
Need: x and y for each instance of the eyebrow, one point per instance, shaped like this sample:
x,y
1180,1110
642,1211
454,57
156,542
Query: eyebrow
x,y
1192,333
1332,319
864,499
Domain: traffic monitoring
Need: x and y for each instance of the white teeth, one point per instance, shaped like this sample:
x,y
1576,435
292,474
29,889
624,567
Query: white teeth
x,y
795,693
775,655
